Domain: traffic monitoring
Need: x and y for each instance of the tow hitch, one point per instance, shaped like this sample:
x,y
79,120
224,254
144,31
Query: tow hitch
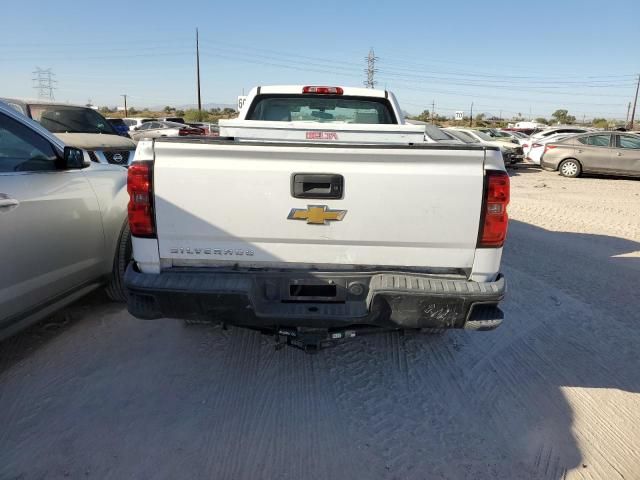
x,y
312,340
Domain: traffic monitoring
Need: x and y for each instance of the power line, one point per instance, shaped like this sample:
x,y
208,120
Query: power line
x,y
44,83
371,69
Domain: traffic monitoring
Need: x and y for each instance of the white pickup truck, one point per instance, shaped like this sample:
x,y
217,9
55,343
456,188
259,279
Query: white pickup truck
x,y
316,237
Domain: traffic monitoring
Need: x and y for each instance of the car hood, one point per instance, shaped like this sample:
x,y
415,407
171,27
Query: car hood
x,y
501,145
96,141
507,141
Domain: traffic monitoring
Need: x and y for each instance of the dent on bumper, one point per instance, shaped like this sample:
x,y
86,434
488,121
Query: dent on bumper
x,y
392,300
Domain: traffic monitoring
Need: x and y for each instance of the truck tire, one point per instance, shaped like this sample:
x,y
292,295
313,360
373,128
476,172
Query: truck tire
x,y
115,289
570,168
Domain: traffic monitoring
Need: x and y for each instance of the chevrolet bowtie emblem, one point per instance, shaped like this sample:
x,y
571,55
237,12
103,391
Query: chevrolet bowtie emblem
x,y
316,214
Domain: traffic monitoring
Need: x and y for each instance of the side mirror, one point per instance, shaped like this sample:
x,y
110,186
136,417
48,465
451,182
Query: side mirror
x,y
74,158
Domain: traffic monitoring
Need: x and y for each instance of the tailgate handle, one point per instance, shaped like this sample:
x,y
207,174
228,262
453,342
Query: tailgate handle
x,y
317,185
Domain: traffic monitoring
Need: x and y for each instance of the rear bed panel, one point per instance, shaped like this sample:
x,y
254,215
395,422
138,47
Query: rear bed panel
x,y
225,203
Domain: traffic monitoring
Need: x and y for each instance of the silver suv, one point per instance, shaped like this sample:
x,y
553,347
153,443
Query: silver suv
x,y
63,223
80,127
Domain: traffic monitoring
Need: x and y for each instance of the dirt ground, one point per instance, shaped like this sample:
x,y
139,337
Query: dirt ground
x,y
553,393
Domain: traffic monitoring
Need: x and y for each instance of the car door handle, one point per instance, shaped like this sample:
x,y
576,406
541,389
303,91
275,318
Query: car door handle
x,y
579,151
7,202
619,154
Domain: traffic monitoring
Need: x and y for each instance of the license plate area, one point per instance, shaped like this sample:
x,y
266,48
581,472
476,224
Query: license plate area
x,y
313,290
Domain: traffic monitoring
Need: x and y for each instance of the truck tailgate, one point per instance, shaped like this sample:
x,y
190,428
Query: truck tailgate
x,y
225,203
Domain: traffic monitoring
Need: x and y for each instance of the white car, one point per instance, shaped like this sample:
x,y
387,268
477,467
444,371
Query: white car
x,y
502,136
511,152
133,122
555,130
536,149
157,129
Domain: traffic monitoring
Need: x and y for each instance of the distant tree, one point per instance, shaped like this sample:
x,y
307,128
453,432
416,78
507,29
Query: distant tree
x,y
132,111
168,109
179,113
562,116
542,120
423,117
229,111
215,111
194,115
105,110
600,122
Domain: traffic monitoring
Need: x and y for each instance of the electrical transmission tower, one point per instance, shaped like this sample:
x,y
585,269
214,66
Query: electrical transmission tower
x,y
44,83
371,69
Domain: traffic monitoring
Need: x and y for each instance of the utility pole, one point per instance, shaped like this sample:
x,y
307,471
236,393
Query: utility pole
x,y
44,83
471,116
433,111
500,117
125,104
628,110
371,69
198,74
635,101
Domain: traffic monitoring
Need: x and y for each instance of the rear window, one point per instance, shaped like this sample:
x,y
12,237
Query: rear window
x,y
321,109
117,122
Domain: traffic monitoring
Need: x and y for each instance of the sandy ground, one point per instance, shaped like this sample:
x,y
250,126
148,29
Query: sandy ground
x,y
553,393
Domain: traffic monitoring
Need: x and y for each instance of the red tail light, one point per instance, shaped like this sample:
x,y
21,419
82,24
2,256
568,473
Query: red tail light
x,y
323,90
139,186
494,216
185,131
549,147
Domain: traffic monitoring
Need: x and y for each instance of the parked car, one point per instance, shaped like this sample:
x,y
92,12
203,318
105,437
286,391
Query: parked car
x,y
133,122
63,223
501,136
210,129
610,153
511,152
535,151
433,133
121,127
554,130
524,131
156,129
80,127
172,119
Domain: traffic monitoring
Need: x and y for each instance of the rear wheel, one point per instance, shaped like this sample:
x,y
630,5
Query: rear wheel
x,y
570,168
116,290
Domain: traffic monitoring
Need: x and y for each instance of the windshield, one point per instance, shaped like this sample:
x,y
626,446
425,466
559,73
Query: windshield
x,y
322,109
465,137
483,136
498,133
71,119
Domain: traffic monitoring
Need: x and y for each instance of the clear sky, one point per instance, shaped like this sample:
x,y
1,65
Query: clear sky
x,y
505,56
